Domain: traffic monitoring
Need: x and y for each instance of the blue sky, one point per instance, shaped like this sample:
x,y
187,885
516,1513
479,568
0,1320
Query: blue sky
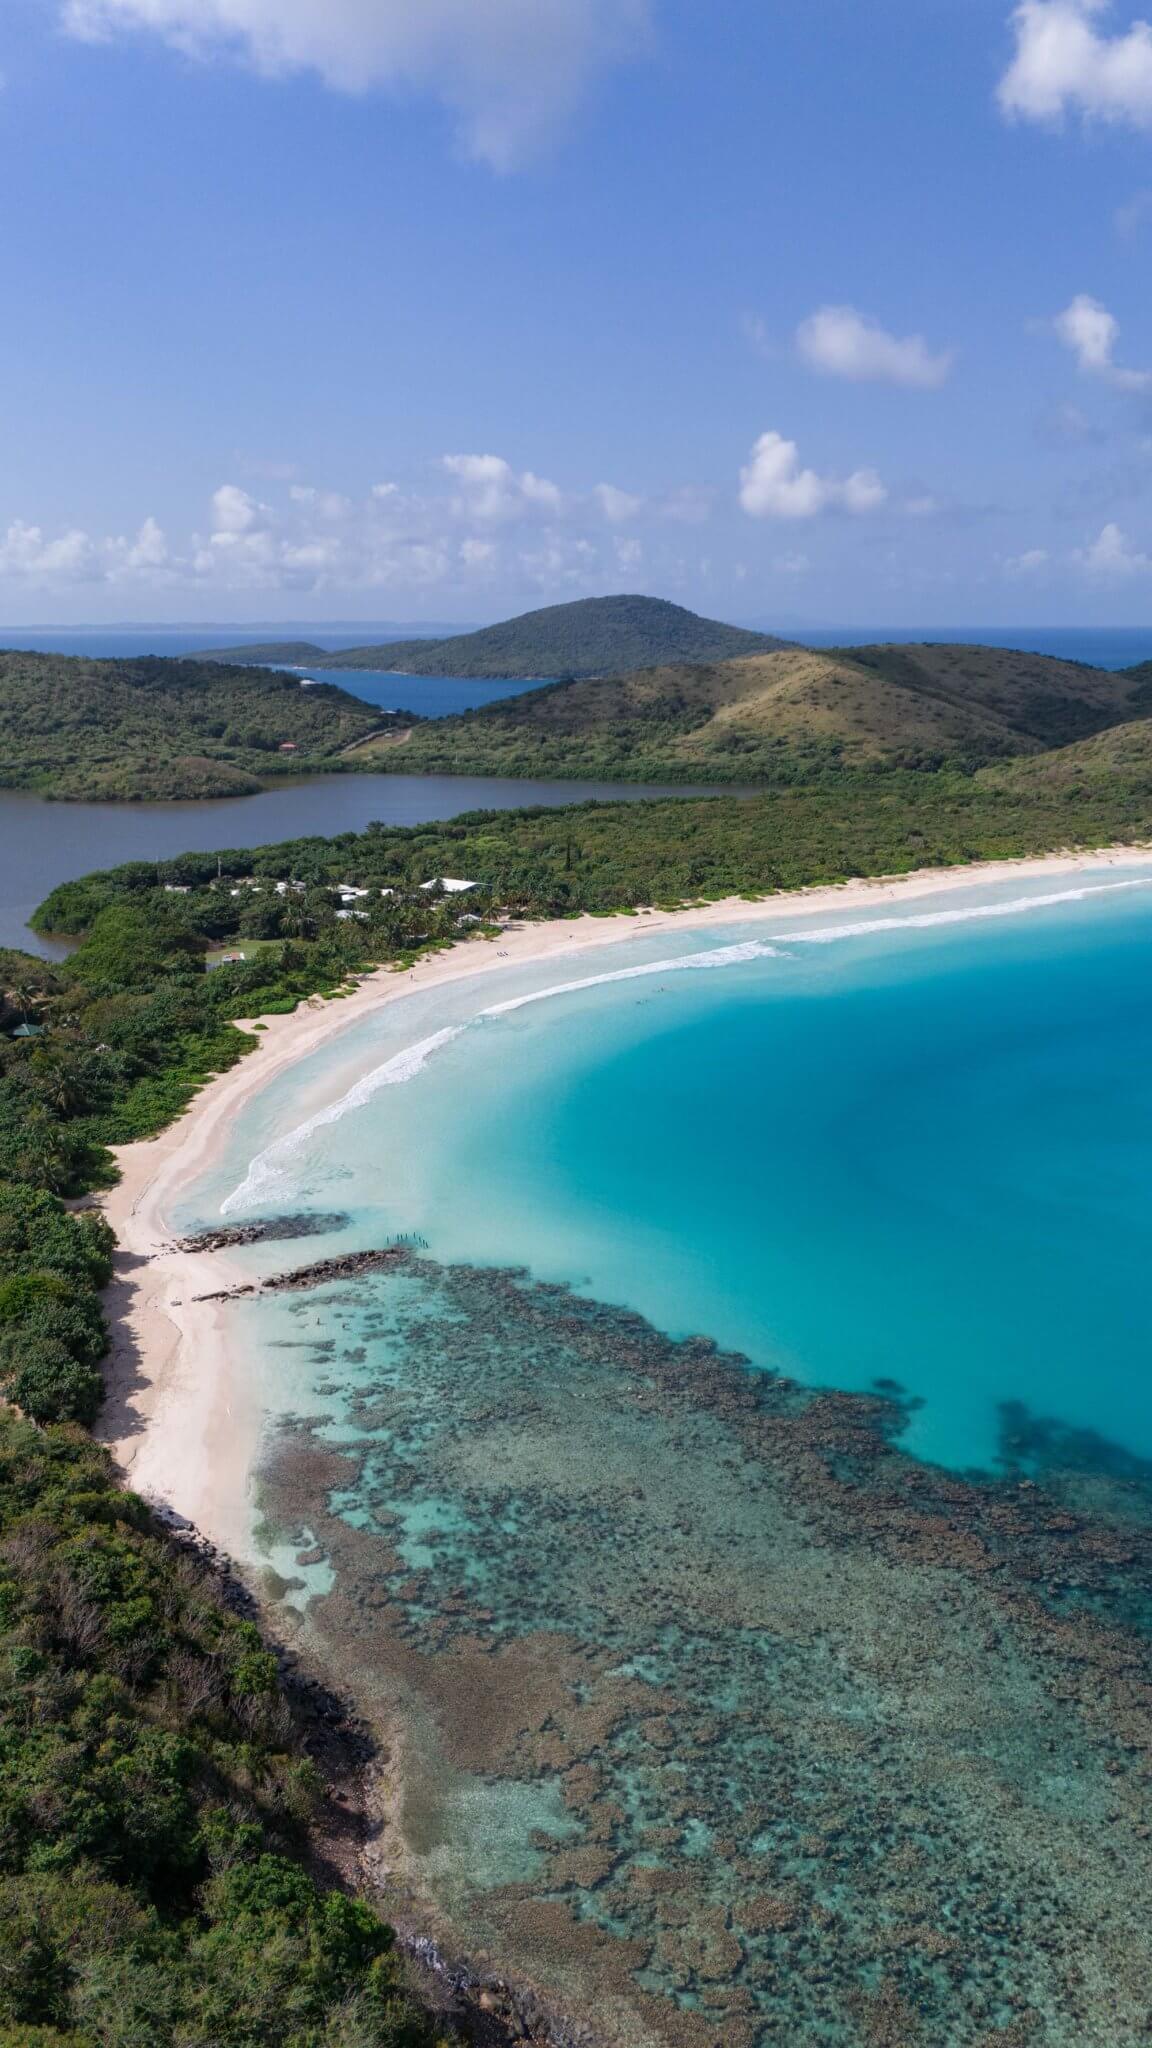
x,y
401,309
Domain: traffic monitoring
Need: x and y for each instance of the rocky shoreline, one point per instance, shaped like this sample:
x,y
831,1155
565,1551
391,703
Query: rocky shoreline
x,y
281,1229
485,2010
348,1266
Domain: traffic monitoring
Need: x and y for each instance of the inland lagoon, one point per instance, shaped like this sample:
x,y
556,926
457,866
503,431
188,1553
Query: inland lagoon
x,y
731,1502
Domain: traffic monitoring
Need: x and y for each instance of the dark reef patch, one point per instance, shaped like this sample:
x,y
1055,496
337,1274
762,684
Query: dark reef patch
x,y
724,1721
277,1230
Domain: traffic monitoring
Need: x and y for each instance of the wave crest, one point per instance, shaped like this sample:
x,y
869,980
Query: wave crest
x,y
267,1179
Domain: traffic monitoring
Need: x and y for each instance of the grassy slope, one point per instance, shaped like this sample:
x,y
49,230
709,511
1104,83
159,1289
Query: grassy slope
x,y
1119,757
781,716
151,729
1033,696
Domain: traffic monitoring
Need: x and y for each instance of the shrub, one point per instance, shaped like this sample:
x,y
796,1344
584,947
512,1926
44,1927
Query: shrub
x,y
52,1386
44,1307
151,1804
36,1231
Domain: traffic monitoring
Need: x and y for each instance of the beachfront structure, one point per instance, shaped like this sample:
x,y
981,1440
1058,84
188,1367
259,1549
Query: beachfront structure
x,y
451,884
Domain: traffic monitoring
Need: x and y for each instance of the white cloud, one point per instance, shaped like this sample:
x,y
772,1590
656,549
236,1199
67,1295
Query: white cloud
x,y
148,551
326,504
1065,64
1018,568
840,342
1111,558
29,555
792,564
617,506
773,485
511,70
493,492
233,510
26,552
484,521
1092,332
478,554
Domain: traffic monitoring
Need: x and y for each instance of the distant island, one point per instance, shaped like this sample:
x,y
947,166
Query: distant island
x,y
592,637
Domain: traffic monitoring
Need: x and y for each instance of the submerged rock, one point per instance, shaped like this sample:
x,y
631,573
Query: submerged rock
x,y
736,1724
271,1232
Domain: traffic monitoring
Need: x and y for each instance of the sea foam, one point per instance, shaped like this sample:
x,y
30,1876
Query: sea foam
x,y
267,1179
927,919
684,963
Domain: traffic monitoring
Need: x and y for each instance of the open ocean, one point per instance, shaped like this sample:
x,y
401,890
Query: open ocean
x,y
1099,646
734,1483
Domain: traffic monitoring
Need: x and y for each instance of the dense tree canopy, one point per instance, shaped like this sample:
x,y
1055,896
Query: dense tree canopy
x,y
147,730
154,1797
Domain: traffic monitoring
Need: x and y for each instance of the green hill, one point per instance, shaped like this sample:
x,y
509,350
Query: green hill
x,y
778,716
595,636
293,653
157,729
1033,696
152,729
1120,755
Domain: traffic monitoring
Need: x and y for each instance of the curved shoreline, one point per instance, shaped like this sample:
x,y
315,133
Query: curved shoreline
x,y
180,1420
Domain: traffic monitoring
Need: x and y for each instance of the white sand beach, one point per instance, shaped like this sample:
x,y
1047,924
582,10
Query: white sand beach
x,y
180,1419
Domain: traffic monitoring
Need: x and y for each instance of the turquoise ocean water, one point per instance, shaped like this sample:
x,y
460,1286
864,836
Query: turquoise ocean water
x,y
723,1720
913,1144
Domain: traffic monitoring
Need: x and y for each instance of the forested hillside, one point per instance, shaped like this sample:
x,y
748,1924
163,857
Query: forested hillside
x,y
594,636
151,729
155,1792
155,729
780,717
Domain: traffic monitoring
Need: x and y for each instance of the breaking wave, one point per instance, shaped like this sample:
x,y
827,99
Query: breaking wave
x,y
267,1179
925,920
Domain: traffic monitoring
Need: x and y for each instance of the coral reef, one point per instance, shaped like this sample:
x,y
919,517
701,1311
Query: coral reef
x,y
723,1721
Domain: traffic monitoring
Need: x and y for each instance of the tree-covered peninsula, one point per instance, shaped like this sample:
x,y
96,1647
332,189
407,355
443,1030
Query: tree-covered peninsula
x,y
147,730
